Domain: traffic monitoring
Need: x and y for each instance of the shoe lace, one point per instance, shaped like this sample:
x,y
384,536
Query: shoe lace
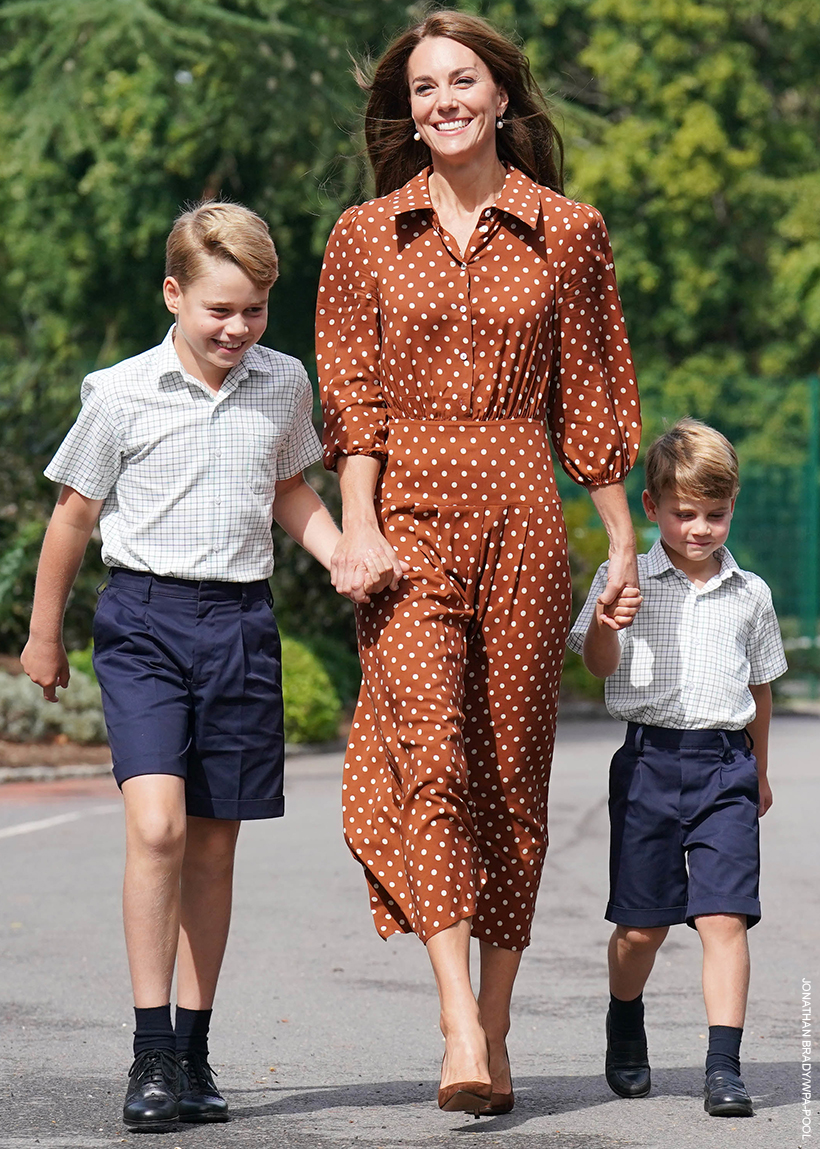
x,y
153,1065
197,1070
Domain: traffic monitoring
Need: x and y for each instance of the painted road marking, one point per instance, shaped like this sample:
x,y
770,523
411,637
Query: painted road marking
x,y
57,820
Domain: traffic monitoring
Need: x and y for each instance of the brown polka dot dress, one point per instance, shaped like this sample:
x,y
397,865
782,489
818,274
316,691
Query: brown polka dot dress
x,y
448,368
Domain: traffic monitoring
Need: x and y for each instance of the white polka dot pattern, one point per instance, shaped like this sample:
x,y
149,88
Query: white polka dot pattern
x,y
447,771
525,324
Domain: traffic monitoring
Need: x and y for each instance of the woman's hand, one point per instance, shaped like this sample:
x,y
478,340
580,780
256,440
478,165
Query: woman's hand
x,y
364,563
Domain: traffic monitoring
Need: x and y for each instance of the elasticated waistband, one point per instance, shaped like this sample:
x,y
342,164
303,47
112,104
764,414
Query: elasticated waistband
x,y
502,462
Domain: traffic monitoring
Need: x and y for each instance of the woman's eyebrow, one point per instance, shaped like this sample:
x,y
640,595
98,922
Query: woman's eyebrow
x,y
453,74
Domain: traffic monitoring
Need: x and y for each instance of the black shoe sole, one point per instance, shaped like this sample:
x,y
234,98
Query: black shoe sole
x,y
205,1118
151,1126
730,1109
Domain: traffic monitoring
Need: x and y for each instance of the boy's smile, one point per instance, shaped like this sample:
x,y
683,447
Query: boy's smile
x,y
219,314
691,530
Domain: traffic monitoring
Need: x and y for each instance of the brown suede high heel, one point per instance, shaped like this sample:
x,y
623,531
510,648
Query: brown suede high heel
x,y
500,1103
464,1096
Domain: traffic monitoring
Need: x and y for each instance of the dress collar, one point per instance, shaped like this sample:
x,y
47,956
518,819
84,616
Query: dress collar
x,y
519,196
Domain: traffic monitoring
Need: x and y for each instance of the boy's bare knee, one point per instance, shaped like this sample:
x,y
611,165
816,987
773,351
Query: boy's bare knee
x,y
721,927
210,846
157,832
641,937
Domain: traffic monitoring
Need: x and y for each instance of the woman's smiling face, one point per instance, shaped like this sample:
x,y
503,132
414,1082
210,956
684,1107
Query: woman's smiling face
x,y
454,100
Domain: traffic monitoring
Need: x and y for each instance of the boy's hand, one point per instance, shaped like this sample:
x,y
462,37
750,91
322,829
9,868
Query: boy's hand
x,y
46,664
765,800
620,613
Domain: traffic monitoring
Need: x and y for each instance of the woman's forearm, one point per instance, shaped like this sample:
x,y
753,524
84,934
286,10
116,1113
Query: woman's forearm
x,y
358,476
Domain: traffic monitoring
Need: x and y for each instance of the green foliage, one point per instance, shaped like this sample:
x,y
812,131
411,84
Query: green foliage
x,y
312,707
25,716
82,660
692,124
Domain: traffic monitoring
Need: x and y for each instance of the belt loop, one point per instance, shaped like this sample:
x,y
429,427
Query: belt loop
x,y
637,738
727,749
749,740
146,590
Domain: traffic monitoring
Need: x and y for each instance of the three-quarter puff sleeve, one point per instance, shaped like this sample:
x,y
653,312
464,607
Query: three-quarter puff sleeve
x,y
347,347
594,412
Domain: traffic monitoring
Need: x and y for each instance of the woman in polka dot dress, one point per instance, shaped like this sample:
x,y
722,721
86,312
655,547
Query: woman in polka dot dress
x,y
459,312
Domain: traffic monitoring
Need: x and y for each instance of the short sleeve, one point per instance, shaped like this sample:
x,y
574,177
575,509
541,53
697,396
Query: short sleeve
x,y
300,446
767,659
90,457
594,411
348,341
575,639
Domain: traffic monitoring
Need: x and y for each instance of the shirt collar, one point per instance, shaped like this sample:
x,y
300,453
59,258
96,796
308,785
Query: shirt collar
x,y
519,196
658,562
169,364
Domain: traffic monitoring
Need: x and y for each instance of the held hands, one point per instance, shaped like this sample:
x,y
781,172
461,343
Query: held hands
x,y
364,563
619,613
46,664
621,598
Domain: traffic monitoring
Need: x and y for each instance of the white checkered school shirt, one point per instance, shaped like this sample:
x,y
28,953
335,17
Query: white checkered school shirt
x,y
690,655
188,475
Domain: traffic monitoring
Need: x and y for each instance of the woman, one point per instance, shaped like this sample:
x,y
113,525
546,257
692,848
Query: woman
x,y
459,310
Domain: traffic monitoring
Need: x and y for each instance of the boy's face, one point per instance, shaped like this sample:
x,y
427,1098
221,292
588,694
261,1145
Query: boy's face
x,y
219,315
691,529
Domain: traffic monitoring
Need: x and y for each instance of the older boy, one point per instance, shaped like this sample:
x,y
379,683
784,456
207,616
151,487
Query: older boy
x,y
185,452
690,674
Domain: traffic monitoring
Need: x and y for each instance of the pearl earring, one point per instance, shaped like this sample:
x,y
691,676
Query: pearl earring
x,y
499,123
416,135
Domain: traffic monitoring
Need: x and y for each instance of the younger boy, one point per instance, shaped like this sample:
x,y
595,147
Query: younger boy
x,y
185,453
689,672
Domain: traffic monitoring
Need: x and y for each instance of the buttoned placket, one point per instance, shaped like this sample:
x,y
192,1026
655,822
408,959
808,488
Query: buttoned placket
x,y
216,467
463,355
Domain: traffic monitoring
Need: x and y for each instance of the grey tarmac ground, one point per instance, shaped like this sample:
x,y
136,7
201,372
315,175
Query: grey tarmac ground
x,y
326,1036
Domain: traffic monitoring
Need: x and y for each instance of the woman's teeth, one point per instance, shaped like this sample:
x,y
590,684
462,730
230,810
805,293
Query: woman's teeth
x,y
451,125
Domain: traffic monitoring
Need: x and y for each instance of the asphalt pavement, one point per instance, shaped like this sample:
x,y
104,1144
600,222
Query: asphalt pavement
x,y
324,1035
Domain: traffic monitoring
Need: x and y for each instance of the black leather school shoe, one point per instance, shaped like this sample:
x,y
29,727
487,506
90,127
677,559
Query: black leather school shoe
x,y
151,1104
199,1098
725,1095
627,1066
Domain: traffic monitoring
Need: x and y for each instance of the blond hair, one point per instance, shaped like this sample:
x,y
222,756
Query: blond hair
x,y
694,459
225,230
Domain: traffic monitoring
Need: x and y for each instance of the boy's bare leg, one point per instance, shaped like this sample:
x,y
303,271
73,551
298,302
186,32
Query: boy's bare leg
x,y
155,829
632,953
207,888
725,967
498,971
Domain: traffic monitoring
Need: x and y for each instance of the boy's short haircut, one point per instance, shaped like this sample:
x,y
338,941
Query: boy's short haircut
x,y
227,231
694,459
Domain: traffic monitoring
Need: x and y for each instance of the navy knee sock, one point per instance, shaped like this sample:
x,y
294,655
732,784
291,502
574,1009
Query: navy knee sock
x,y
192,1030
626,1019
724,1048
154,1029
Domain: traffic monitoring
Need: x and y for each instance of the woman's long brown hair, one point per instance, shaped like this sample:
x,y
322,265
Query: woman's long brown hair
x,y
529,140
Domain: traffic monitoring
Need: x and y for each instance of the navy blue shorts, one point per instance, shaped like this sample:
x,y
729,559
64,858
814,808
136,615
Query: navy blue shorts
x,y
191,681
684,839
